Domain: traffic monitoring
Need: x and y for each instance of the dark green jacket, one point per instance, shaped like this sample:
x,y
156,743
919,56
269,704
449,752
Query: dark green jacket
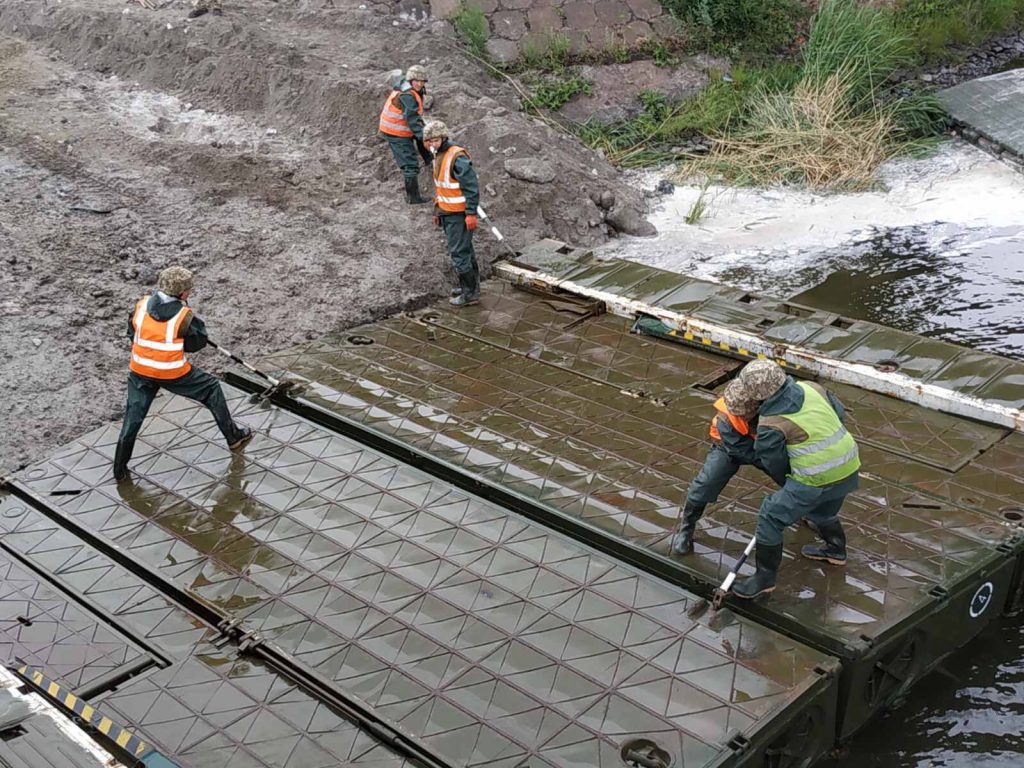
x,y
410,110
465,174
194,329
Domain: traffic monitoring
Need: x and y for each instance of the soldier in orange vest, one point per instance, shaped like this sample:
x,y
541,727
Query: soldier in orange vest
x,y
401,123
163,329
733,428
456,197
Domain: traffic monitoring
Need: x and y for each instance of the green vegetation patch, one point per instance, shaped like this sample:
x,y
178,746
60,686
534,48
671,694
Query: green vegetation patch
x,y
552,92
939,27
471,27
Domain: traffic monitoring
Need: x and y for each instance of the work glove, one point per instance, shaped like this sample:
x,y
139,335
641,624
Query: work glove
x,y
437,221
471,221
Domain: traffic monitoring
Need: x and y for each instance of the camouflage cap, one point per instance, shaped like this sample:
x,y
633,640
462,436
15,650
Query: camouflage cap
x,y
174,281
416,72
435,129
738,399
762,378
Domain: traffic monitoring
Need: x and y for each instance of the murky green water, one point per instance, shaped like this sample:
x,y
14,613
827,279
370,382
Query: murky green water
x,y
968,714
965,286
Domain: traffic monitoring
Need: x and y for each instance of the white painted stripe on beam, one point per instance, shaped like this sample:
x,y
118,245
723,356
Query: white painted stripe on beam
x,y
894,384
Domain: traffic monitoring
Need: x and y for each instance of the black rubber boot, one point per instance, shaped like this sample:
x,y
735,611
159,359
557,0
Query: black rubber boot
x,y
244,436
473,281
833,550
412,192
767,560
465,297
120,464
682,542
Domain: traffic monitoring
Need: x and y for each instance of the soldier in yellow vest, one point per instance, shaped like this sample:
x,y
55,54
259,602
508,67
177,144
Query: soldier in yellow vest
x,y
401,123
456,197
800,435
163,329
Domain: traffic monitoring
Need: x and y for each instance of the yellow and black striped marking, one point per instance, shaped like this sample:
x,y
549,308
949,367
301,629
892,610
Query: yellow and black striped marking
x,y
723,346
125,739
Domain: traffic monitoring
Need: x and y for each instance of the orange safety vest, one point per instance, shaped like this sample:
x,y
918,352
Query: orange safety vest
x,y
448,196
392,116
738,423
158,349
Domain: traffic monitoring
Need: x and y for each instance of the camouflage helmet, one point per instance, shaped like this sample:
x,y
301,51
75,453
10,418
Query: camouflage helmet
x,y
174,281
435,129
416,72
762,378
738,399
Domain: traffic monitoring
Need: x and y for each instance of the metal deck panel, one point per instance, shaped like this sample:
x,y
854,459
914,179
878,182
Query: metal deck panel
x,y
217,708
619,462
209,707
487,637
33,740
43,628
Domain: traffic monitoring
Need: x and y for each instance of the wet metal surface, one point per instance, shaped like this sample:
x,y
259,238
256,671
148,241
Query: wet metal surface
x,y
216,708
488,638
585,448
42,627
886,283
209,707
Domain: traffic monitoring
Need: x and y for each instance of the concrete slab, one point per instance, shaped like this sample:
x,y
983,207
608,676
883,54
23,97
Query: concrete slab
x,y
993,106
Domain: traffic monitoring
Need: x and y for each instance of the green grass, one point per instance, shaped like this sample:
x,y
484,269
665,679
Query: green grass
x,y
940,27
471,27
749,28
554,91
700,208
838,122
826,119
649,138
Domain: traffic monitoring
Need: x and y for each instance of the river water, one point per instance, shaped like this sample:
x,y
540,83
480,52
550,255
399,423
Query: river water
x,y
939,251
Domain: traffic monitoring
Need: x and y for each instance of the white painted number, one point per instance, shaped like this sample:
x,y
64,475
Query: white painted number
x,y
981,599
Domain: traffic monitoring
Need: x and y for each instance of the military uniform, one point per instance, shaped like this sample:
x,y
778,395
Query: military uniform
x,y
163,329
401,124
457,197
801,436
732,431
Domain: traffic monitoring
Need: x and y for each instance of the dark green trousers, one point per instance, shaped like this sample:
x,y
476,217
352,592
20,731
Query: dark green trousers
x,y
406,155
460,250
460,243
196,385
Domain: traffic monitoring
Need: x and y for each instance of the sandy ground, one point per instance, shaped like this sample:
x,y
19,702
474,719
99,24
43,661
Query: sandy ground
x,y
244,148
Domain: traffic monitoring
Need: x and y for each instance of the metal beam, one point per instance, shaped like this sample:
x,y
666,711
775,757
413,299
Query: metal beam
x,y
710,335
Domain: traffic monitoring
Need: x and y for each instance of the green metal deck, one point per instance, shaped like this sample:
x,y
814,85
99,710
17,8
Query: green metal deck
x,y
480,636
599,431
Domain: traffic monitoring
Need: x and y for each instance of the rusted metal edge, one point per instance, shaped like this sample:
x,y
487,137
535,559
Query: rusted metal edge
x,y
353,709
748,345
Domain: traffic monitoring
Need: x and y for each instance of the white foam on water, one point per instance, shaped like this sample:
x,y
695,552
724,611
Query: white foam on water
x,y
783,229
